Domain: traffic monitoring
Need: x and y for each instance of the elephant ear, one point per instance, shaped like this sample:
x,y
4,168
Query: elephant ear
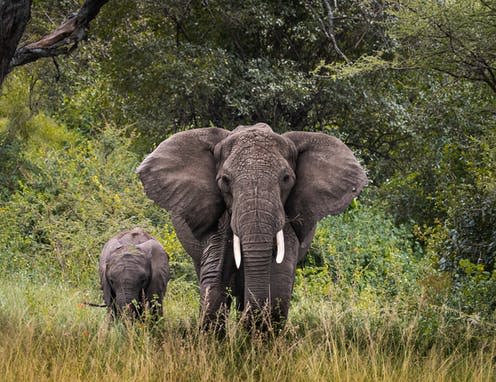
x,y
159,268
110,247
180,177
328,178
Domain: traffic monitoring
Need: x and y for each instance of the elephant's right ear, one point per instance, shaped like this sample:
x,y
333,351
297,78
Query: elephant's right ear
x,y
179,175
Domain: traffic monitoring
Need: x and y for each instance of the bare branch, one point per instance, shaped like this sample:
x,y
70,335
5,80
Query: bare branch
x,y
469,64
328,28
487,5
329,31
62,40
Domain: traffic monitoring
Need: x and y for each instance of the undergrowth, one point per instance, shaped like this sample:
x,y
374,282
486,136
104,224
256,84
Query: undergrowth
x,y
47,334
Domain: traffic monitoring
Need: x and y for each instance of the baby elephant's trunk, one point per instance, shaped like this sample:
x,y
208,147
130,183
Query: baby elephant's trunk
x,y
129,304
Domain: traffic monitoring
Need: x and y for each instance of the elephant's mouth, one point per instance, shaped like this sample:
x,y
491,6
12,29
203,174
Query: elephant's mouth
x,y
279,248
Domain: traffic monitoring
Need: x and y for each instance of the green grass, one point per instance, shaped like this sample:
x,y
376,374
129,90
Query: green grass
x,y
47,335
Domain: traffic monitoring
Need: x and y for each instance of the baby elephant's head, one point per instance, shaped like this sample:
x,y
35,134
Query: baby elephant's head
x,y
128,273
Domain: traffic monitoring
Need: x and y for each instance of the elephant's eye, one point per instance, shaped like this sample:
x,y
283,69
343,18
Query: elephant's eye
x,y
224,182
287,180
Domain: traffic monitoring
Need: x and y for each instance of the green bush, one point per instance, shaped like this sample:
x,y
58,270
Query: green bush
x,y
79,194
15,125
364,250
463,244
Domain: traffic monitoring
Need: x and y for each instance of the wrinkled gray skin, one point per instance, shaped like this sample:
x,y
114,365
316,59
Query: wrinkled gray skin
x,y
134,270
252,183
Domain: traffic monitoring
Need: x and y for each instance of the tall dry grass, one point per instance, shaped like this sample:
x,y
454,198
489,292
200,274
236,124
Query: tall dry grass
x,y
47,335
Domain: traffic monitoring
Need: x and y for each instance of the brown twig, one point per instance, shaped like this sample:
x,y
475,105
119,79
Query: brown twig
x,y
94,305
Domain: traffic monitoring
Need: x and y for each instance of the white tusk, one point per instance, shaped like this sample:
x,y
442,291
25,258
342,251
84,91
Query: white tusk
x,y
237,251
280,247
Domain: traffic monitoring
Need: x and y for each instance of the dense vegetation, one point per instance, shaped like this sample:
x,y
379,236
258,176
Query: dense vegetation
x,y
402,286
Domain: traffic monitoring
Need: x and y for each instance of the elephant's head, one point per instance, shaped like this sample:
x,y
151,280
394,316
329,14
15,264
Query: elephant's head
x,y
271,185
132,275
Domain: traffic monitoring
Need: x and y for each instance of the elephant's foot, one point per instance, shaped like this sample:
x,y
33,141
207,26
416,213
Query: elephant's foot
x,y
215,321
215,307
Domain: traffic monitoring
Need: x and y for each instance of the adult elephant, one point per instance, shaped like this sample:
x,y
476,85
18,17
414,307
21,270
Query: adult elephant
x,y
134,272
245,205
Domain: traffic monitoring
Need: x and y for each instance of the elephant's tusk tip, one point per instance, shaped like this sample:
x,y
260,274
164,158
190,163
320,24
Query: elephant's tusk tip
x,y
280,247
237,251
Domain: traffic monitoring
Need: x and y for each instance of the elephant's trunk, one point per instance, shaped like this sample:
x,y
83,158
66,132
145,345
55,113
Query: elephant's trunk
x,y
257,222
126,302
257,259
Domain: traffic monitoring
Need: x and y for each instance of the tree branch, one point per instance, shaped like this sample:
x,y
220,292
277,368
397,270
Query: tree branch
x,y
330,30
62,40
487,5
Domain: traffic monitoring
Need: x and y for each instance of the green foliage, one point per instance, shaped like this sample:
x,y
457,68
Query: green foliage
x,y
14,126
449,36
472,207
79,194
362,250
164,67
474,289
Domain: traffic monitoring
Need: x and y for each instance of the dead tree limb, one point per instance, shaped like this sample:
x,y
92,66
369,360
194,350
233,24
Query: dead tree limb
x,y
62,40
328,25
329,30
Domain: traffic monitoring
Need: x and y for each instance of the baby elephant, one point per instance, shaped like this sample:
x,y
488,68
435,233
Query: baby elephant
x,y
134,271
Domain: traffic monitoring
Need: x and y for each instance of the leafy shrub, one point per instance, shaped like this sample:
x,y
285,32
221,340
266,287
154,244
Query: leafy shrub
x,y
464,242
15,124
364,250
79,194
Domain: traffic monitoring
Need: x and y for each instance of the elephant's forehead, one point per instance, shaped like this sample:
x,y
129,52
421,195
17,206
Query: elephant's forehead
x,y
257,153
257,169
257,143
128,255
255,150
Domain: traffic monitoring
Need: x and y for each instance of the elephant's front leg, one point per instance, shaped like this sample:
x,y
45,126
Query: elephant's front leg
x,y
282,279
216,270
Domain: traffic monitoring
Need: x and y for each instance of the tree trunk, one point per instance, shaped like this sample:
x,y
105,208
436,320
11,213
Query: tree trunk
x,y
14,15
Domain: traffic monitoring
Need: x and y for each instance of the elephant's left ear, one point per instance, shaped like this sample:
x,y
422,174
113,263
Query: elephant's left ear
x,y
328,178
160,268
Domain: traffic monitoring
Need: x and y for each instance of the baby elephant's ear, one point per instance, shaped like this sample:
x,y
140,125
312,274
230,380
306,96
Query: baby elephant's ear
x,y
328,177
110,247
180,177
159,269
